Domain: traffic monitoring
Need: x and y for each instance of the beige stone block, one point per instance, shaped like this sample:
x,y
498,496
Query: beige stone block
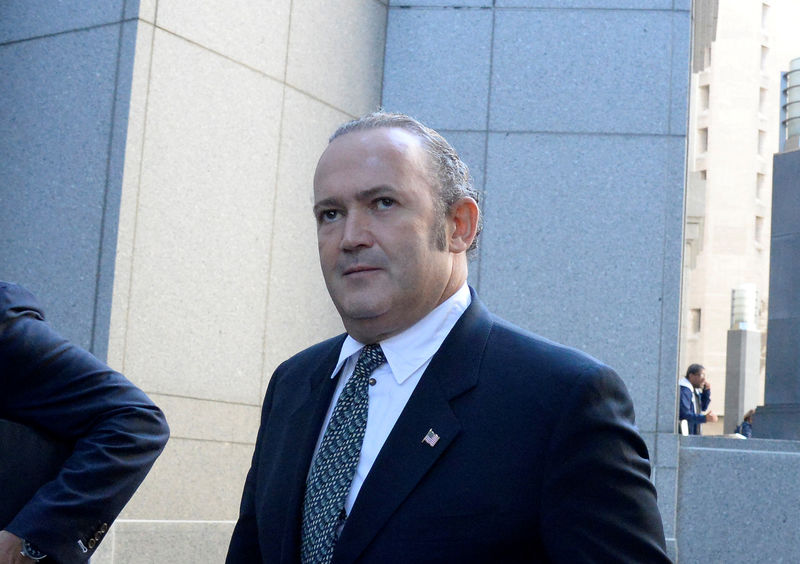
x,y
147,10
201,253
209,420
149,542
130,194
194,480
252,33
300,312
336,52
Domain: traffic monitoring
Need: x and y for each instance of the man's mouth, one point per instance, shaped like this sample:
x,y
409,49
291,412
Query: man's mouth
x,y
357,269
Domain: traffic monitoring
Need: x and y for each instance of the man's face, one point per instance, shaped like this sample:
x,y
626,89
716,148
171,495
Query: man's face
x,y
377,231
697,380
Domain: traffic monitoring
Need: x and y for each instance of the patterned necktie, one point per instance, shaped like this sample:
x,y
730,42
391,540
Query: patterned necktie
x,y
335,464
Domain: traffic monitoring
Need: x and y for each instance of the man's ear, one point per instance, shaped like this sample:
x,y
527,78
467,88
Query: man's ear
x,y
463,219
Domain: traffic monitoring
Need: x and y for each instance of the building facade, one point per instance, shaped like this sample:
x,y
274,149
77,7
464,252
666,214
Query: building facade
x,y
741,48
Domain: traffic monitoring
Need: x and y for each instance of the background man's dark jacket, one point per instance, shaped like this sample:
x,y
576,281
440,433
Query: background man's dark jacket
x,y
109,433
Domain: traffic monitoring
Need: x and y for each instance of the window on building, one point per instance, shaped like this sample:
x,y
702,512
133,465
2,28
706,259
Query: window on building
x,y
760,180
694,321
762,100
702,140
762,142
764,53
704,97
764,16
759,230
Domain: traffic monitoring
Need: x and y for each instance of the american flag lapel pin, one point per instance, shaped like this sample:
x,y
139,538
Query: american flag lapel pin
x,y
431,438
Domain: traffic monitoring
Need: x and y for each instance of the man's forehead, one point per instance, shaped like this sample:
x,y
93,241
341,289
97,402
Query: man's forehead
x,y
377,141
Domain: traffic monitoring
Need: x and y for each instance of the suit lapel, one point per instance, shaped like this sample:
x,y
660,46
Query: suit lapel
x,y
305,419
405,458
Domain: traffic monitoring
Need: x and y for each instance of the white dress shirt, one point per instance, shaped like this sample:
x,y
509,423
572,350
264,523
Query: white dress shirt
x,y
408,354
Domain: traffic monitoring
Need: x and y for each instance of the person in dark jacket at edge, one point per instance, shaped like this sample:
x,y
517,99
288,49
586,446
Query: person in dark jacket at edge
x,y
53,386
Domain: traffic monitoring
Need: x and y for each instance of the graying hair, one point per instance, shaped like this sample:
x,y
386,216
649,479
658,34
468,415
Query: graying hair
x,y
452,174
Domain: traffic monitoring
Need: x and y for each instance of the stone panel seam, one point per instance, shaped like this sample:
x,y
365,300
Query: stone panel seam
x,y
740,451
189,521
484,199
222,55
174,436
264,377
532,8
67,31
214,401
138,194
280,81
104,212
577,133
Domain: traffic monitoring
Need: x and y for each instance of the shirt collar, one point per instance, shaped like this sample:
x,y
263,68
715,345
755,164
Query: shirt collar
x,y
685,383
406,352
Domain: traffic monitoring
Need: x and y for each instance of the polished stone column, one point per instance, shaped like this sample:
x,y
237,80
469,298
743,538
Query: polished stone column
x,y
779,417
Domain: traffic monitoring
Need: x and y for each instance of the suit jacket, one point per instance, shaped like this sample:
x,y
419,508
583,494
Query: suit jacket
x,y
113,430
538,460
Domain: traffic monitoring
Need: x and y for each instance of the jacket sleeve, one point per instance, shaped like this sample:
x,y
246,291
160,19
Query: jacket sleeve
x,y
705,399
685,410
598,503
54,386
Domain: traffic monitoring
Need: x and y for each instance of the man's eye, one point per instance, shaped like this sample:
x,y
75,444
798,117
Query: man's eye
x,y
328,215
384,203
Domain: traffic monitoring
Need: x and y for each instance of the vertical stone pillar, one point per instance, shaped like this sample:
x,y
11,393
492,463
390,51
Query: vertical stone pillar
x,y
779,417
742,365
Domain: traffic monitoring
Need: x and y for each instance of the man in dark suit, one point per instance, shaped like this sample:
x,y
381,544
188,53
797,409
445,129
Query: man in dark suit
x,y
110,432
481,442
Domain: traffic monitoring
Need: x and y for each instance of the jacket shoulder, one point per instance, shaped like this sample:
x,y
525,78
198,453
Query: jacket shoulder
x,y
522,346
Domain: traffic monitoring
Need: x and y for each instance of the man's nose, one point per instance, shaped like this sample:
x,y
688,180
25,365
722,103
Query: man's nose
x,y
357,231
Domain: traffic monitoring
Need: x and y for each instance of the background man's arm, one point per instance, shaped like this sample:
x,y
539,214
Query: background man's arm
x,y
52,385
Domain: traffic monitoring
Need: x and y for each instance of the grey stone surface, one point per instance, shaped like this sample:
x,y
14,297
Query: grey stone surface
x,y
23,19
753,489
785,194
441,3
784,275
783,362
671,283
667,450
780,416
622,4
581,71
666,486
679,79
574,247
777,421
471,147
60,164
437,66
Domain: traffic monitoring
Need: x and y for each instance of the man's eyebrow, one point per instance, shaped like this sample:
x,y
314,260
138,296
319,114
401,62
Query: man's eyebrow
x,y
362,196
370,193
326,203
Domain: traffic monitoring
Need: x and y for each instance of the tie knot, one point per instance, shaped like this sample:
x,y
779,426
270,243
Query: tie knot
x,y
371,357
